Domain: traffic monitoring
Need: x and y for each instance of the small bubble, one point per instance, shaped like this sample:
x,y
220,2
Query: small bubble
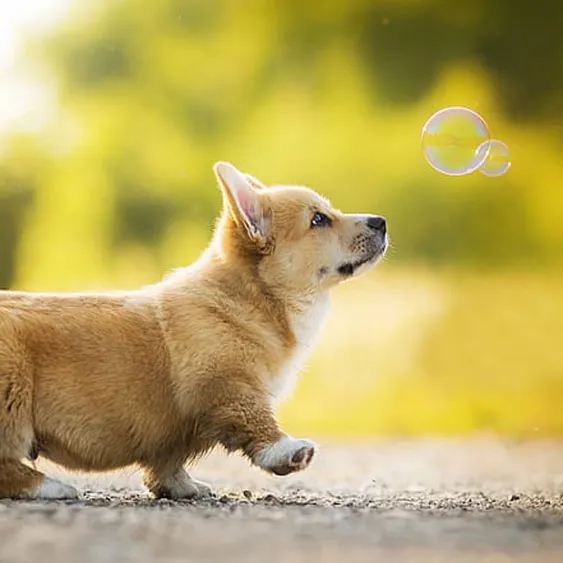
x,y
497,161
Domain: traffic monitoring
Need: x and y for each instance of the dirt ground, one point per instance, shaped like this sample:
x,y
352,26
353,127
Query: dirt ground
x,y
423,501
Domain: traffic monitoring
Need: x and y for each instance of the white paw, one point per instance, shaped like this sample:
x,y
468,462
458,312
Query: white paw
x,y
286,456
51,489
204,490
181,485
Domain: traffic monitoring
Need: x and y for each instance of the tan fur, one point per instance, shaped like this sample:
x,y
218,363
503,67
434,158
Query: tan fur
x,y
159,376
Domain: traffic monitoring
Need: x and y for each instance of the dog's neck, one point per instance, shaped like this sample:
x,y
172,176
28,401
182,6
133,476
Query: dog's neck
x,y
246,284
306,322
296,318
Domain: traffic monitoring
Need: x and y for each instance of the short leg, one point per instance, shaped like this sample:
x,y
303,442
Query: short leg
x,y
176,484
20,481
16,431
16,386
245,422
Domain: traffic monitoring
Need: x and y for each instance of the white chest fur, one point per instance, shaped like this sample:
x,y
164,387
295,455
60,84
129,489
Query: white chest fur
x,y
306,327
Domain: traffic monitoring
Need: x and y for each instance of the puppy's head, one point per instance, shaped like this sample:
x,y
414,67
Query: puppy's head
x,y
291,237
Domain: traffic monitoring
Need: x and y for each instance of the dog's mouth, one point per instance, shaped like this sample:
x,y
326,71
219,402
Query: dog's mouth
x,y
348,269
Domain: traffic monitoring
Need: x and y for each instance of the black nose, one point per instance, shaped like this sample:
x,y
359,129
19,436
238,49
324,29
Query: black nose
x,y
377,223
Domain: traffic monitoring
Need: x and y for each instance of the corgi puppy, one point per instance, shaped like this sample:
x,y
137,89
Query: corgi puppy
x,y
159,376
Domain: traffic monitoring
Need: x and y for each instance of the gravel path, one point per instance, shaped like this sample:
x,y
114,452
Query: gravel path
x,y
435,501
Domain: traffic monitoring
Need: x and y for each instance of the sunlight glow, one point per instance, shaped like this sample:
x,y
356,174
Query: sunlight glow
x,y
23,97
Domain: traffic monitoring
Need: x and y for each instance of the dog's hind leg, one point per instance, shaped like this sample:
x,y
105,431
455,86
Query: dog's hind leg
x,y
17,480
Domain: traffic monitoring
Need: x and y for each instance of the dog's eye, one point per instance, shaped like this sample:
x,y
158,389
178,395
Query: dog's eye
x,y
320,220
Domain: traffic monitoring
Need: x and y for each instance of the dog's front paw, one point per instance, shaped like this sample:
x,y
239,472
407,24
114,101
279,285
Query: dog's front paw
x,y
286,456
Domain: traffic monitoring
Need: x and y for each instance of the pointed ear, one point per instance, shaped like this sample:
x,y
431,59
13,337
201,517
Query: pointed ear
x,y
245,202
257,184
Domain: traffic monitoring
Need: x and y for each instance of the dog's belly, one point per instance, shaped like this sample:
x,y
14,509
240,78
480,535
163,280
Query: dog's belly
x,y
108,428
111,427
89,458
102,396
95,451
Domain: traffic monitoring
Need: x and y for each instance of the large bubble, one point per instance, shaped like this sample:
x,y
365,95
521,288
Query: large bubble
x,y
455,141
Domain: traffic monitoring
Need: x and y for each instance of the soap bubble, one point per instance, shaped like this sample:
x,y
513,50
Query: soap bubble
x,y
455,141
497,161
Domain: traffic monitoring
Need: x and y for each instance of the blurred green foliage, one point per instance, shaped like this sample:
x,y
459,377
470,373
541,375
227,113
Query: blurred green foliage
x,y
118,187
332,95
